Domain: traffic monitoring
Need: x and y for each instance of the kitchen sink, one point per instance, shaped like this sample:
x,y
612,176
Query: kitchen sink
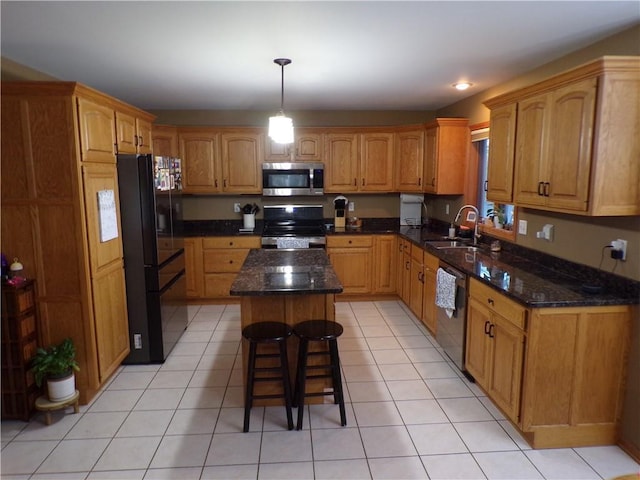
x,y
446,244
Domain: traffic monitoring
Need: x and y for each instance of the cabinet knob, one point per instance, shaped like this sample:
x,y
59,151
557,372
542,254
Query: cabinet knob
x,y
230,262
230,244
490,301
350,242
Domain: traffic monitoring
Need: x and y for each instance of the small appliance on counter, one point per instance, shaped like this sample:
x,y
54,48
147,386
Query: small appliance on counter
x,y
411,209
340,204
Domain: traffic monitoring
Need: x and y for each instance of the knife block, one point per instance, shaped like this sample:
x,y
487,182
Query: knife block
x,y
339,219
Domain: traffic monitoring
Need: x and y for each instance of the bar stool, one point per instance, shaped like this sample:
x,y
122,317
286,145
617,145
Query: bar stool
x,y
318,331
263,333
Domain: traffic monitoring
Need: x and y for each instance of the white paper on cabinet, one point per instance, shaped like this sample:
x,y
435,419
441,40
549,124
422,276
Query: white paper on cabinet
x,y
107,215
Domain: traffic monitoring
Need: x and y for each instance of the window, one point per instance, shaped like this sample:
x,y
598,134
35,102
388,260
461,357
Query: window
x,y
504,213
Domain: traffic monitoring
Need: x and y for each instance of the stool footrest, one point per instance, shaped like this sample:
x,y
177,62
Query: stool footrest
x,y
267,379
319,394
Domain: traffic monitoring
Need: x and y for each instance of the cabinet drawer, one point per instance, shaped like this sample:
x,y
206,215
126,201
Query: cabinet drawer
x,y
218,285
231,242
417,253
224,260
345,241
497,302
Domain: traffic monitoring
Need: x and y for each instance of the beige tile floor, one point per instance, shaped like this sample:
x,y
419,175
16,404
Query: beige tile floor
x,y
410,415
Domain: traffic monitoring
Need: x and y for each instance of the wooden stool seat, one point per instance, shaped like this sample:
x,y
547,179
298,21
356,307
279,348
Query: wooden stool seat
x,y
261,333
318,331
45,405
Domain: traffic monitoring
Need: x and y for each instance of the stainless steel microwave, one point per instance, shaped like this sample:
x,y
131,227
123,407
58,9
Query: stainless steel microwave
x,y
289,179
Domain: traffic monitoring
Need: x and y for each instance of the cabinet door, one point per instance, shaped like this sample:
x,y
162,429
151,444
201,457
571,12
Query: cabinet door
x,y
570,141
429,317
505,365
531,144
308,146
353,268
97,132
143,129
199,152
126,133
399,259
502,135
406,275
384,263
416,287
341,162
478,322
110,317
242,162
193,267
409,158
376,162
431,160
164,141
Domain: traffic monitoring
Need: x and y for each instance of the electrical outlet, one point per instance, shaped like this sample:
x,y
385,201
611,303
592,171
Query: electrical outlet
x,y
236,207
621,246
137,341
522,227
352,206
446,209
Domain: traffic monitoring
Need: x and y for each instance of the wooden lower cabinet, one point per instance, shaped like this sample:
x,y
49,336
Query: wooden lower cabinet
x,y
222,258
557,373
350,256
430,267
384,263
194,267
404,249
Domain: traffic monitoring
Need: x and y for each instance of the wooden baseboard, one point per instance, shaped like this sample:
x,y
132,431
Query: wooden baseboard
x,y
631,449
366,297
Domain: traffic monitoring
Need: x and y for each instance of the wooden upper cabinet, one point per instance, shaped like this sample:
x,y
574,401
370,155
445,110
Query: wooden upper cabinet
x,y
341,162
307,147
409,158
242,157
553,155
376,162
199,151
502,136
447,142
576,140
164,141
97,131
133,134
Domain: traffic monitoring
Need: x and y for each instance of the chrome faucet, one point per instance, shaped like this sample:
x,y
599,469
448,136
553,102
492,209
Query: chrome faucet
x,y
475,223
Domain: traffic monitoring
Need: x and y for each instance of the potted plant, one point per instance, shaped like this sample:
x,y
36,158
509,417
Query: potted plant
x,y
497,215
56,365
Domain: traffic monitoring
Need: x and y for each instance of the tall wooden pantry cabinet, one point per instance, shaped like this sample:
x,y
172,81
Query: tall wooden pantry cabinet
x,y
61,216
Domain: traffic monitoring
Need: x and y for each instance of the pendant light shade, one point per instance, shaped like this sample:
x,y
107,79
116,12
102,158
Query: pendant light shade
x,y
281,126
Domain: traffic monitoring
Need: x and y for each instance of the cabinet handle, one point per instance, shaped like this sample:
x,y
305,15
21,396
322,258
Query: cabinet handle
x,y
540,187
487,326
215,182
224,183
490,301
546,188
400,248
141,140
363,181
135,140
407,265
491,327
486,185
355,182
419,182
433,182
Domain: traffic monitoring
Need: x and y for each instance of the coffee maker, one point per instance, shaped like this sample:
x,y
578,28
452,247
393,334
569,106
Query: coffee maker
x,y
340,205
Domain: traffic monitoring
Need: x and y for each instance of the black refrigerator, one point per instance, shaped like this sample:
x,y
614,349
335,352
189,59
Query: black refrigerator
x,y
151,216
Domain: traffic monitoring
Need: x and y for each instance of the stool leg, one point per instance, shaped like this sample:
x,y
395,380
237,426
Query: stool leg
x,y
301,375
338,395
286,383
248,399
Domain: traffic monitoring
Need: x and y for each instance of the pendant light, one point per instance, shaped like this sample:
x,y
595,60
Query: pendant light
x,y
281,126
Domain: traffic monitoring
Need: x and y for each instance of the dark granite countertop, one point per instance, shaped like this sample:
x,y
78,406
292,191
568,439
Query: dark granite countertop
x,y
532,278
290,272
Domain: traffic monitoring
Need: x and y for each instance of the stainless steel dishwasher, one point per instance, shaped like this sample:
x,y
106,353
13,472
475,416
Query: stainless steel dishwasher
x,y
451,331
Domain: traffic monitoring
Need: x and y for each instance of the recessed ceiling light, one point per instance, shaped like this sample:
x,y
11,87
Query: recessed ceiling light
x,y
462,85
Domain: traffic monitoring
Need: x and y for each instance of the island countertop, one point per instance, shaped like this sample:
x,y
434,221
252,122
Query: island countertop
x,y
286,272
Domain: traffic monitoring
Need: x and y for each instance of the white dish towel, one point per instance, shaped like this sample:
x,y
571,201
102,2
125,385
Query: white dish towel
x,y
446,291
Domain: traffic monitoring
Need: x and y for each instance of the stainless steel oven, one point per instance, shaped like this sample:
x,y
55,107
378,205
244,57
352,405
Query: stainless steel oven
x,y
293,226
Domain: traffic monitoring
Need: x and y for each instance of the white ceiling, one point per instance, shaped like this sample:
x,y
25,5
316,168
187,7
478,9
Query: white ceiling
x,y
358,55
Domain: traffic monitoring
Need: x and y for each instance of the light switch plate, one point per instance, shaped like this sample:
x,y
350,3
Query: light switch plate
x,y
522,227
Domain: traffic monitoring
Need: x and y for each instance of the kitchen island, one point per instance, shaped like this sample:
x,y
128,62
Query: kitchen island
x,y
287,286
